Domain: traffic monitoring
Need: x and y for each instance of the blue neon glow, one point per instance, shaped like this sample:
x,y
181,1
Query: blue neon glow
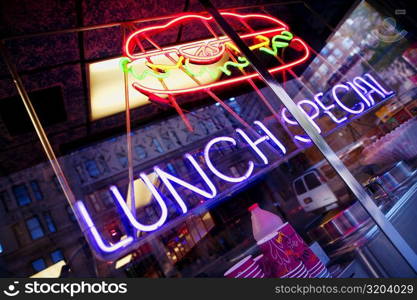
x,y
96,237
214,169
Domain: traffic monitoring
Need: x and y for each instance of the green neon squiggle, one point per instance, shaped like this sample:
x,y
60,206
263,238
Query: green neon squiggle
x,y
242,64
276,44
213,73
129,69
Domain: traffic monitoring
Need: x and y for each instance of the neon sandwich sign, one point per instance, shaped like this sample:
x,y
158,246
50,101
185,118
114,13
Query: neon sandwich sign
x,y
366,90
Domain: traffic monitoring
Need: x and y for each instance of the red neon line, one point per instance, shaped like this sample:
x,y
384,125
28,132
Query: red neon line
x,y
177,48
172,99
128,53
229,81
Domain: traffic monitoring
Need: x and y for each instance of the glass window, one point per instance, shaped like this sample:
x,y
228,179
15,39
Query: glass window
x,y
106,197
35,228
36,189
94,202
39,264
337,53
157,145
331,59
92,168
347,43
140,152
21,194
122,159
49,222
299,187
312,181
57,256
1,248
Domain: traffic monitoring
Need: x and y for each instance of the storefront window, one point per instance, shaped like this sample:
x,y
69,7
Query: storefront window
x,y
169,187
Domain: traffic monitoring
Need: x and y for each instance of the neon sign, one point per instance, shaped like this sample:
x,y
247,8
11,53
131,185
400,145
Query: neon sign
x,y
195,59
214,58
364,88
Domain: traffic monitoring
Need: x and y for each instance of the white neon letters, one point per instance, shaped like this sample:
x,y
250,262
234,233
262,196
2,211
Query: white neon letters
x,y
167,178
346,88
215,170
95,235
364,87
122,204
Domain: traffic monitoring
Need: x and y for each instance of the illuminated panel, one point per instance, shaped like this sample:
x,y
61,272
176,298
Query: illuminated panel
x,y
106,84
53,271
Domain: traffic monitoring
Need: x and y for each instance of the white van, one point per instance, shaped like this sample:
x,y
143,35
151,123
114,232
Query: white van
x,y
313,192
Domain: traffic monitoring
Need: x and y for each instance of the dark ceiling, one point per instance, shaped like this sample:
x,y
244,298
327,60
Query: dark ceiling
x,y
52,67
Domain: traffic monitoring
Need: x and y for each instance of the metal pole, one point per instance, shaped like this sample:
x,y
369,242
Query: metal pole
x,y
369,205
38,126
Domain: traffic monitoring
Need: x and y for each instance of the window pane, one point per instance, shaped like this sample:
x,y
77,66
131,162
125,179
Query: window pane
x,y
92,168
36,189
21,194
34,227
57,255
312,181
49,222
39,264
299,187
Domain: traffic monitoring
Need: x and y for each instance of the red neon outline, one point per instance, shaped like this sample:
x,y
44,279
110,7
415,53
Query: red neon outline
x,y
127,51
140,88
176,49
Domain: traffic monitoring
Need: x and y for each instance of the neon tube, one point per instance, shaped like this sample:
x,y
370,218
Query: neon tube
x,y
378,84
217,172
167,178
335,97
122,204
96,238
271,136
254,144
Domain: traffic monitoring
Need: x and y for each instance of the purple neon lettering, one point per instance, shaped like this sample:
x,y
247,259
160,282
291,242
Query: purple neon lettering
x,y
215,170
336,98
122,204
326,109
167,178
380,87
95,235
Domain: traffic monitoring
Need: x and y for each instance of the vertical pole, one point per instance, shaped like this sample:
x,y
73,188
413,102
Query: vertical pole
x,y
369,205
